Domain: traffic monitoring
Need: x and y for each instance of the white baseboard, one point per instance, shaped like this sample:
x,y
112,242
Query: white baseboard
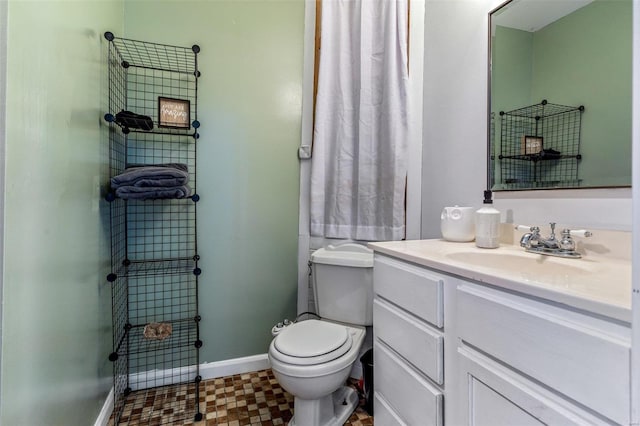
x,y
156,378
210,370
247,364
107,409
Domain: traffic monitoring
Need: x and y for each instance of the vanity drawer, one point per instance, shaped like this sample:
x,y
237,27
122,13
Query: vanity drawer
x,y
584,358
400,385
384,413
418,343
410,287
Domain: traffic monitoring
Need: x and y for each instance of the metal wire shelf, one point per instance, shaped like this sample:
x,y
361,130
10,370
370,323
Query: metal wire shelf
x,y
155,56
154,260
184,334
133,269
540,146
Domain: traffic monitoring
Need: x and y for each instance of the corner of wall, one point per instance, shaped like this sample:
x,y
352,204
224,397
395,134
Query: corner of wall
x,y
3,135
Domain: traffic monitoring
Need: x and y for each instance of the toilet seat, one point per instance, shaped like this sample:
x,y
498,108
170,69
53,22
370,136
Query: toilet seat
x,y
312,342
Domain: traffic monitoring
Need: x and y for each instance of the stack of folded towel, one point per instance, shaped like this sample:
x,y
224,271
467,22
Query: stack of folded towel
x,y
139,182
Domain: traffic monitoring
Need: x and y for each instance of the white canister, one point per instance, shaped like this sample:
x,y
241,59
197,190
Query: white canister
x,y
488,227
457,224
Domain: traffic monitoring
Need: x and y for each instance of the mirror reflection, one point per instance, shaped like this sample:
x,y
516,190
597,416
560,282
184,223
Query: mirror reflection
x,y
560,94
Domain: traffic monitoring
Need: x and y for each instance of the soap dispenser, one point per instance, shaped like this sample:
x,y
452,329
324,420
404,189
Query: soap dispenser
x,y
488,224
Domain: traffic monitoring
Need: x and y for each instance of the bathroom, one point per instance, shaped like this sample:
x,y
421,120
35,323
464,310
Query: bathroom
x,y
56,325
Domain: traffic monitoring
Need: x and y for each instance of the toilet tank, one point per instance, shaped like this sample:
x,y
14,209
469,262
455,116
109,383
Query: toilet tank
x,y
343,283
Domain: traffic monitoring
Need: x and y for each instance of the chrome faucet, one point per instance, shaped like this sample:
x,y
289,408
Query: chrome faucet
x,y
533,242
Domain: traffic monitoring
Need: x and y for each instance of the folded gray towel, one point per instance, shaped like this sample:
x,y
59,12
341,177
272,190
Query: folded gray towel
x,y
152,192
161,175
179,166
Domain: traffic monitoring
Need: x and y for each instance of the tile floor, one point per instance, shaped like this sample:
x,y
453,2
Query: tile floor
x,y
254,399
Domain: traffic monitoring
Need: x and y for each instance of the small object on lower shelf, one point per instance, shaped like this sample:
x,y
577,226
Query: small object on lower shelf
x,y
157,330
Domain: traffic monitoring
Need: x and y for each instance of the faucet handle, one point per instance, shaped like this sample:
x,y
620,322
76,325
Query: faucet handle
x,y
526,228
578,232
567,243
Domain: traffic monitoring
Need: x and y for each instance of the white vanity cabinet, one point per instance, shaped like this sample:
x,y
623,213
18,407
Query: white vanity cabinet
x,y
408,320
539,361
452,350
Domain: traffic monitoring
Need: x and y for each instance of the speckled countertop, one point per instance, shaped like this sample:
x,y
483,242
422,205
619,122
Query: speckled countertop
x,y
597,283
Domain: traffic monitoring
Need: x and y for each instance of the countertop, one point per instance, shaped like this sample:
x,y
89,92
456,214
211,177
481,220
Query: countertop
x,y
596,284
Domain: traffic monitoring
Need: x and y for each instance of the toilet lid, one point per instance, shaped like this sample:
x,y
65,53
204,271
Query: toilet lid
x,y
313,342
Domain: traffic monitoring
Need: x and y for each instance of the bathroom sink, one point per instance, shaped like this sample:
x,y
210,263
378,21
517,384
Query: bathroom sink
x,y
524,263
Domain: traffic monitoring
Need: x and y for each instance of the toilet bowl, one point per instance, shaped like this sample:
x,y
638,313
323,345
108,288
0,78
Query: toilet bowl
x,y
312,360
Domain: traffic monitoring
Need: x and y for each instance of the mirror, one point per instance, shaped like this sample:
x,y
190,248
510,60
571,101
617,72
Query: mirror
x,y
560,94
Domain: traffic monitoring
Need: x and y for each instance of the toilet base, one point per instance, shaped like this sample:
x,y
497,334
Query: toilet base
x,y
331,410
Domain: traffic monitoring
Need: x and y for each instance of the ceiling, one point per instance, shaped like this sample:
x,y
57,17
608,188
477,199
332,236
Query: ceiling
x,y
532,15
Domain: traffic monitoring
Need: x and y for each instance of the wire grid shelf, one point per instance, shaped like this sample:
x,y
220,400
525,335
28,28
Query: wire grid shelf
x,y
175,365
167,405
492,151
153,71
120,344
153,242
161,230
540,146
162,298
143,54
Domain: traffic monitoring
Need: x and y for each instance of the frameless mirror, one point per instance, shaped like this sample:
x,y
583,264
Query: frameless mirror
x,y
560,94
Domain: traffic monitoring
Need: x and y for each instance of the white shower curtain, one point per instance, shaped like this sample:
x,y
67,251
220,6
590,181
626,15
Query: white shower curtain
x,y
358,169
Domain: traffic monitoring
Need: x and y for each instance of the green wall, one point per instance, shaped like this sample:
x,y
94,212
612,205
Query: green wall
x,y
249,104
56,321
56,318
511,67
564,71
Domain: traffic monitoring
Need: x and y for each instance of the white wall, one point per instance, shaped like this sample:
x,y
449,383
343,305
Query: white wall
x,y
454,151
455,89
455,129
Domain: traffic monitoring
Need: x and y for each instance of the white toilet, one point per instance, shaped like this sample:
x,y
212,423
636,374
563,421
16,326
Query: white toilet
x,y
312,359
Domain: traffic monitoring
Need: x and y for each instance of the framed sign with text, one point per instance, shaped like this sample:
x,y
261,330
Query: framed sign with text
x,y
531,145
174,113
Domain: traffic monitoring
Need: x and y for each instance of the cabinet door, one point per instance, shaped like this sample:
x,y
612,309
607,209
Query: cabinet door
x,y
586,359
496,396
385,415
489,408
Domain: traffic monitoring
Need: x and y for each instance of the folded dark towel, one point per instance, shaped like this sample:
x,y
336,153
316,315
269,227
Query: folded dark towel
x,y
132,120
550,153
163,175
179,166
152,193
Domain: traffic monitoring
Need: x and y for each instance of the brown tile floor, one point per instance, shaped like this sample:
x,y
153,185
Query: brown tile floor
x,y
245,399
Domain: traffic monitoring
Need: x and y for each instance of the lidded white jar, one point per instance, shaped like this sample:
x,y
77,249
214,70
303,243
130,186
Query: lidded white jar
x,y
488,226
457,223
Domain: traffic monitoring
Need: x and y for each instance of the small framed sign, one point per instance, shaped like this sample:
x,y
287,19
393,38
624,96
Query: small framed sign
x,y
174,113
531,145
